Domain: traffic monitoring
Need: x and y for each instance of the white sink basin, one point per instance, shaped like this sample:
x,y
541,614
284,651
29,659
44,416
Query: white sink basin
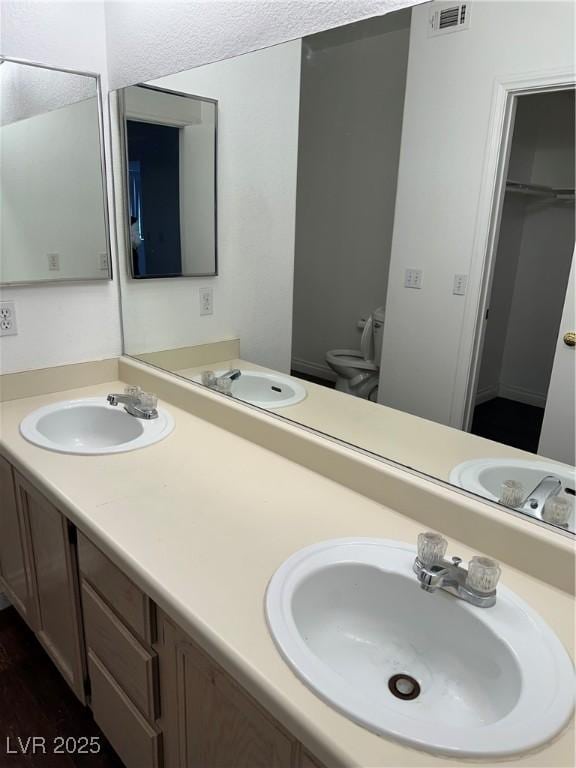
x,y
92,426
348,615
485,477
266,390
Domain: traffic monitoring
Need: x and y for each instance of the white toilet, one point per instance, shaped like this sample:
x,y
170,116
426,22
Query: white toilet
x,y
358,370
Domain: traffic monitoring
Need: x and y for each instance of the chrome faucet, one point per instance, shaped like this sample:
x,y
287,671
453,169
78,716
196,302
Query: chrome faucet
x,y
137,403
547,487
476,585
232,374
222,383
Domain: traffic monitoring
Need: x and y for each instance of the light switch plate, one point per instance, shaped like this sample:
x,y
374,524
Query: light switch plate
x,y
459,287
8,319
413,278
206,301
54,262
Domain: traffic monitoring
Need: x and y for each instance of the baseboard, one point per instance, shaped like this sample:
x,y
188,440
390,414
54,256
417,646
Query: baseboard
x,y
313,369
510,392
485,394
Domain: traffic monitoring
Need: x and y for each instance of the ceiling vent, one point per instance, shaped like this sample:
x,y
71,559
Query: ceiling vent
x,y
448,17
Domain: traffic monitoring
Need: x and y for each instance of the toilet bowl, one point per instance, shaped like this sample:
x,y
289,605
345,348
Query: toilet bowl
x,y
358,370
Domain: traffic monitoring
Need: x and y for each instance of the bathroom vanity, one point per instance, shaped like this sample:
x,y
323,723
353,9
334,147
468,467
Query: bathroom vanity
x,y
161,571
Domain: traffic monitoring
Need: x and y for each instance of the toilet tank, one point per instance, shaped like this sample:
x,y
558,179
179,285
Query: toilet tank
x,y
378,333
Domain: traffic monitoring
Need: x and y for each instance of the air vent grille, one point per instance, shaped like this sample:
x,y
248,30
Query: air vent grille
x,y
448,17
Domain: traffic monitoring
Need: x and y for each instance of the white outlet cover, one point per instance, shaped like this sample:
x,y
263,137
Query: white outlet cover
x,y
8,319
413,278
54,262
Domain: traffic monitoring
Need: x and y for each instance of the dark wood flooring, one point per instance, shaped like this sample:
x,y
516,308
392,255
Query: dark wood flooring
x,y
36,701
509,422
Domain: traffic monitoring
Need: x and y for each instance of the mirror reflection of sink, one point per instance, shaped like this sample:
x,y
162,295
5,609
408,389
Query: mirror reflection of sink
x,y
486,476
92,426
265,389
349,617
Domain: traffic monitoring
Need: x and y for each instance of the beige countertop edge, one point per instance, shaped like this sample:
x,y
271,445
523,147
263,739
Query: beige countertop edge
x,y
528,545
334,739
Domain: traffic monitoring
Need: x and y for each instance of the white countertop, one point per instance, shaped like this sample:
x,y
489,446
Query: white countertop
x,y
202,520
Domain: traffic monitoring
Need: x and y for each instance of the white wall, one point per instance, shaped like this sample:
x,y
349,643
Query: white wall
x,y
257,159
351,105
447,112
130,42
52,196
66,323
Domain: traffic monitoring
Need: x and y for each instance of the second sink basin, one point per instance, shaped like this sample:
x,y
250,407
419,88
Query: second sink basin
x,y
92,426
427,669
266,390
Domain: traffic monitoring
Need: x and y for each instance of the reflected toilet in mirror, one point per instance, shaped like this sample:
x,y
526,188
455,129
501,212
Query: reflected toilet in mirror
x,y
406,291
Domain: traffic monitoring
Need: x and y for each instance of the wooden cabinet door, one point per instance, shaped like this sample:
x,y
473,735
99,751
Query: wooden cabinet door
x,y
14,567
55,574
208,721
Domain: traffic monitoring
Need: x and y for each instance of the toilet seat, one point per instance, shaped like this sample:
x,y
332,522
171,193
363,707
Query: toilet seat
x,y
350,357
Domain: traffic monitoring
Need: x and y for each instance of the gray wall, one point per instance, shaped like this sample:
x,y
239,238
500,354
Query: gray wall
x,y
351,103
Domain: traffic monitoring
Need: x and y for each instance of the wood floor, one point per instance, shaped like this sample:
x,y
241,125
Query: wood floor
x,y
35,701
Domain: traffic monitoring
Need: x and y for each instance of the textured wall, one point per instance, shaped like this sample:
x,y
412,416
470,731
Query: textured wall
x,y
149,39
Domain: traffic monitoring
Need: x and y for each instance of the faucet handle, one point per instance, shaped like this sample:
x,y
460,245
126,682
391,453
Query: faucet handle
x,y
483,574
431,547
148,401
133,390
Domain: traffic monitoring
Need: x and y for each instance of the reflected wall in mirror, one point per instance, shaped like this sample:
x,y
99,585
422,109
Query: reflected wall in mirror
x,y
54,223
171,161
396,259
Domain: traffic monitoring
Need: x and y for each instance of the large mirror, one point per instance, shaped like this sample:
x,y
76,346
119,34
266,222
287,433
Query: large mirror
x,y
396,239
53,223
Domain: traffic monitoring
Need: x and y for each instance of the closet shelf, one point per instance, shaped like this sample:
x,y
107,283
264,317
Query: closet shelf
x,y
538,190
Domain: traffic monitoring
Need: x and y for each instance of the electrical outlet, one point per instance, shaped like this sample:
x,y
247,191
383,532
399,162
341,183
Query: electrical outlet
x,y
7,319
206,301
103,262
459,287
413,278
54,262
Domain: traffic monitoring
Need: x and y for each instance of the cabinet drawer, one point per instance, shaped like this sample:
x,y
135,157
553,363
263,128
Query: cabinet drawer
x,y
137,742
130,663
115,587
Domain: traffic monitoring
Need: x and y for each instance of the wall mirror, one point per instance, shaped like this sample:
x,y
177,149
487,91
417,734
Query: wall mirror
x,y
171,174
54,224
396,238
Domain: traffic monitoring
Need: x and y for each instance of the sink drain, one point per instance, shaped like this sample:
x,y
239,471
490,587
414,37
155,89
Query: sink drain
x,y
404,687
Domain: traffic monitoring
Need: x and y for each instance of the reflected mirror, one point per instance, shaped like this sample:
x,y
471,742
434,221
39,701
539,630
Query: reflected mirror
x,y
396,238
54,223
171,176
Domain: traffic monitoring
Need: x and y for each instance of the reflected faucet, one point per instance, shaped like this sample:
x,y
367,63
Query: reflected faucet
x,y
232,374
547,487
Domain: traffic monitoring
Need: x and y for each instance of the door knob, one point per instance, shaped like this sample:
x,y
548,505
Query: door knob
x,y
570,339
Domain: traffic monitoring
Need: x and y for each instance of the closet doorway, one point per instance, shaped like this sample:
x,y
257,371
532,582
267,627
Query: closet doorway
x,y
531,274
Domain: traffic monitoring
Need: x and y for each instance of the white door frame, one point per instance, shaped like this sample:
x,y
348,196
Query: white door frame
x,y
487,229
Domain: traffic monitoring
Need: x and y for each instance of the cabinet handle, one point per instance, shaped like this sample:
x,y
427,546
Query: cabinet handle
x,y
570,339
